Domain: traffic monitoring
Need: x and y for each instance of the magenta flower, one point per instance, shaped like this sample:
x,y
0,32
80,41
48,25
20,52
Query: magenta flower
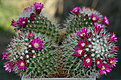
x,y
98,27
95,17
98,63
36,43
8,66
32,17
21,65
5,55
31,54
26,9
87,61
16,29
104,69
114,48
31,35
112,51
112,61
22,21
32,7
38,7
105,20
82,33
75,10
20,35
90,35
112,37
13,23
82,43
78,51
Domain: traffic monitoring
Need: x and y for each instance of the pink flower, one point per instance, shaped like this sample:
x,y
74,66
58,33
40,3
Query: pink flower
x,y
31,54
112,37
13,23
8,66
5,55
38,7
112,61
32,7
36,43
78,51
87,61
105,20
21,65
112,51
104,69
94,17
32,17
75,10
102,34
22,22
98,63
16,29
98,27
114,48
20,35
82,33
31,35
90,35
82,43
26,9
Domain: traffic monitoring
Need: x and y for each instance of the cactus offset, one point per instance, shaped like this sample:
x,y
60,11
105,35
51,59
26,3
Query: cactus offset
x,y
86,43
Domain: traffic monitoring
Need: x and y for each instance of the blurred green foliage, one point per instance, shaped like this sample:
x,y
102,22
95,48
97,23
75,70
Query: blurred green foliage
x,y
10,9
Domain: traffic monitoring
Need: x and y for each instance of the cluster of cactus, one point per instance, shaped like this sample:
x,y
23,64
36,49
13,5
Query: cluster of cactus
x,y
33,51
86,50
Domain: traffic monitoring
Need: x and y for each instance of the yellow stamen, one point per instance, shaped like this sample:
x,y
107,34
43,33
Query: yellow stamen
x,y
82,34
23,22
88,60
75,10
98,62
79,51
22,64
83,44
111,61
94,18
36,45
38,8
103,68
113,36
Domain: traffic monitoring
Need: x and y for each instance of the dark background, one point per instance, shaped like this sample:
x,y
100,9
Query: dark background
x,y
10,9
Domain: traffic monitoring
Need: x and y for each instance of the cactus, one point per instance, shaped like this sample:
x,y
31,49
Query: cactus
x,y
33,51
82,18
88,49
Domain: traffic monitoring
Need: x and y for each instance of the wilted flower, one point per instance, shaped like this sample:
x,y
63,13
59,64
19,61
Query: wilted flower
x,y
13,23
8,66
5,55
